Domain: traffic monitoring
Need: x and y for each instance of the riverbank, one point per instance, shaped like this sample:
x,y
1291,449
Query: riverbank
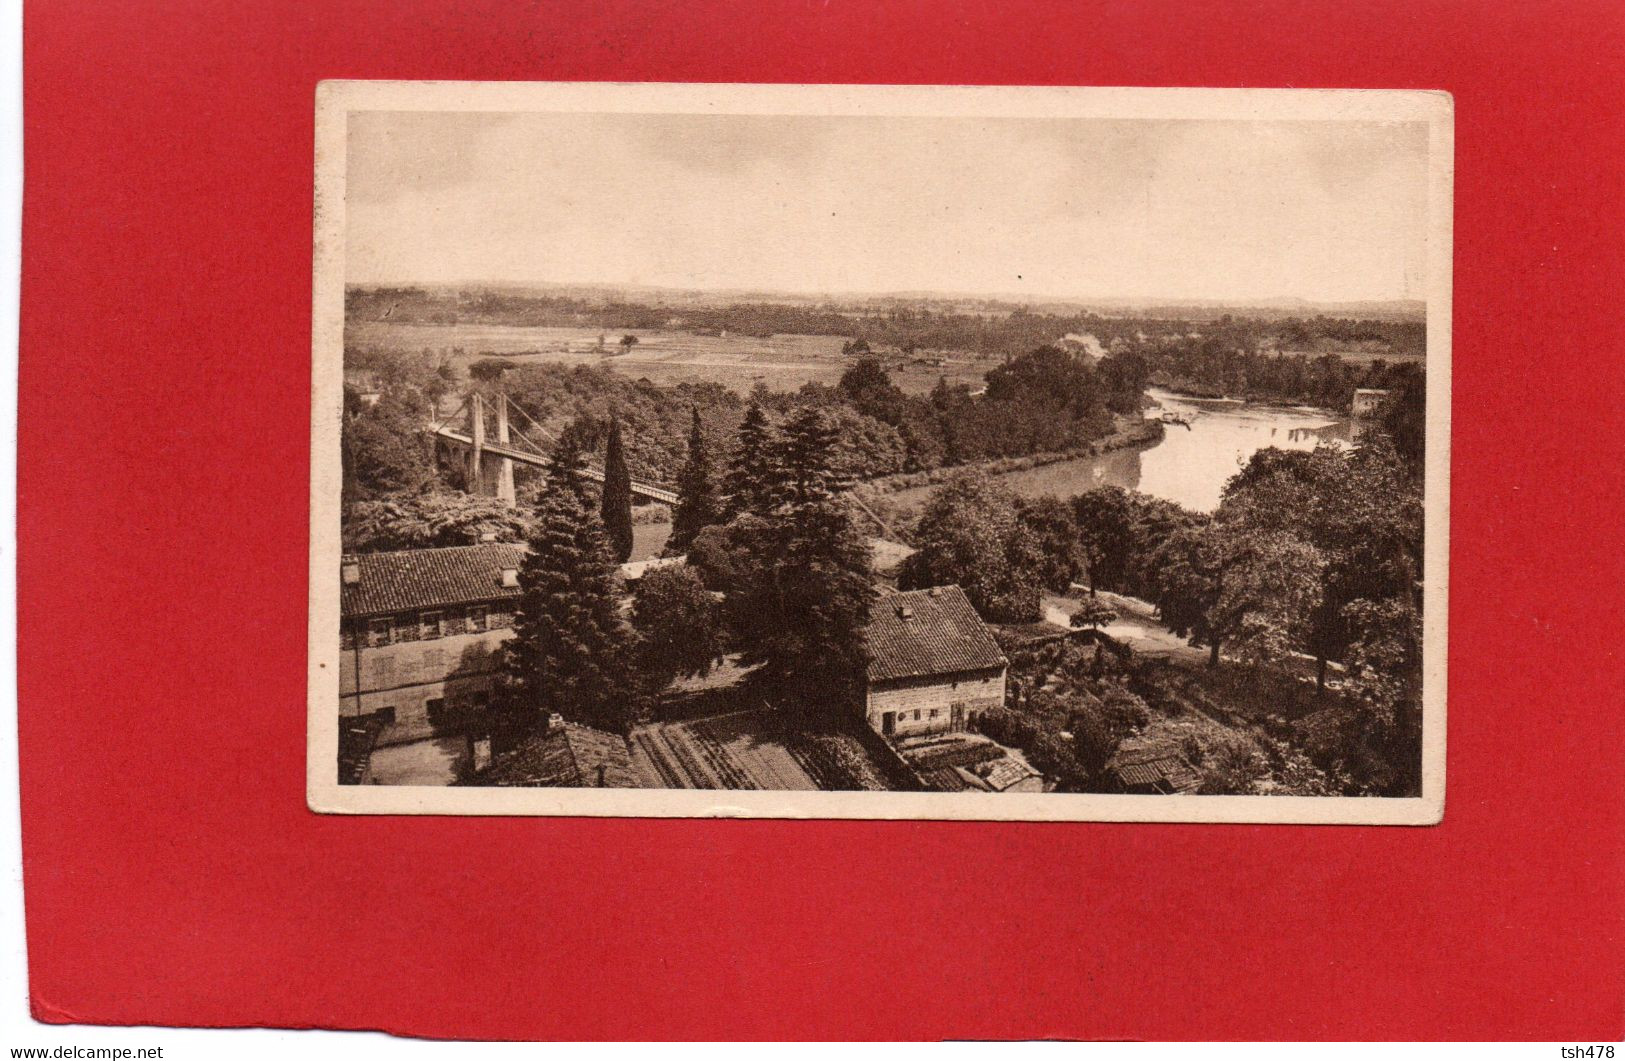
x,y
1130,432
1197,392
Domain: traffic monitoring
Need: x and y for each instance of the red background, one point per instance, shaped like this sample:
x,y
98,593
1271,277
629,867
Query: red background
x,y
173,875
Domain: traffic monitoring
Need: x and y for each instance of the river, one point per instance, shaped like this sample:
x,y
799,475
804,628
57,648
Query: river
x,y
1190,465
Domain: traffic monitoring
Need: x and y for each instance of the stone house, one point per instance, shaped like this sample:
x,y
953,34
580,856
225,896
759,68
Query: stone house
x,y
419,629
933,667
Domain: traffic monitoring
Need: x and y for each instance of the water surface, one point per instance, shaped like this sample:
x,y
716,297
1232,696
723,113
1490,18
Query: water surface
x,y
1191,464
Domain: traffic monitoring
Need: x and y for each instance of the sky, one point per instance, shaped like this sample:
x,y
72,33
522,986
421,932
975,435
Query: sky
x,y
1040,207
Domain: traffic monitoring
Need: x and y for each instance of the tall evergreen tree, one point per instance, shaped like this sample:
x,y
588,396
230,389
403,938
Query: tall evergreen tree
x,y
804,470
801,599
697,506
616,508
570,649
748,486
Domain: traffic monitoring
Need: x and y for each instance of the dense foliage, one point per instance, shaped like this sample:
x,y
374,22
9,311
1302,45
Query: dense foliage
x,y
431,521
571,652
678,623
971,534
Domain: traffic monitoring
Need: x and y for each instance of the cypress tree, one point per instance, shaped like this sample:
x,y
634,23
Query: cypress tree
x,y
749,482
617,498
696,495
570,649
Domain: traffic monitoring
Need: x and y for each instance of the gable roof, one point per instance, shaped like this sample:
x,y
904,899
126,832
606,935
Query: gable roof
x,y
1139,762
428,578
928,631
566,756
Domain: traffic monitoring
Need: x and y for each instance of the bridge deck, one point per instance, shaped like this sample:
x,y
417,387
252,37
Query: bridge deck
x,y
536,460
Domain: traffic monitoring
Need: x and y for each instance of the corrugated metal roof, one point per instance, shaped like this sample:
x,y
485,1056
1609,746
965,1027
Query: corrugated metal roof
x,y
927,632
428,578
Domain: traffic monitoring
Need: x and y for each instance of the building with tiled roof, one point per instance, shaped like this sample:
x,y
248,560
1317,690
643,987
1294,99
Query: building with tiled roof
x,y
567,755
933,663
1152,769
418,634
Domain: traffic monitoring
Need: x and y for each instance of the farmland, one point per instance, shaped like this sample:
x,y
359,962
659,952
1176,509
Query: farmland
x,y
662,355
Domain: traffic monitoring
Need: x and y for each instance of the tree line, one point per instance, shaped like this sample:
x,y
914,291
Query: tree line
x,y
988,328
398,495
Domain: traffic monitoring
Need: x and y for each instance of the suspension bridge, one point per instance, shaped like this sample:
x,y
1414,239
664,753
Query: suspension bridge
x,y
490,454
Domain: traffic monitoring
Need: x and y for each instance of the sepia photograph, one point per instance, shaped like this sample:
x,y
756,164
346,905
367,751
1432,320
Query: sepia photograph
x,y
874,452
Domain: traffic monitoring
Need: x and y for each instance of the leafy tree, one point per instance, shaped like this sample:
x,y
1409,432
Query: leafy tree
x,y
429,521
384,450
489,369
1093,615
970,535
1123,378
570,651
1047,377
679,625
616,501
628,341
1405,420
1385,674
1224,584
1359,508
1055,535
718,553
748,485
1104,518
697,505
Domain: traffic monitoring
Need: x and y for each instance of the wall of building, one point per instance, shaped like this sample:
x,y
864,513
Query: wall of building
x,y
455,669
925,705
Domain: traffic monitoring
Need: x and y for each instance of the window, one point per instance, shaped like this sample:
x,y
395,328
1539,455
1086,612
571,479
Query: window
x,y
436,710
386,715
476,618
429,624
377,632
933,712
346,637
916,714
406,628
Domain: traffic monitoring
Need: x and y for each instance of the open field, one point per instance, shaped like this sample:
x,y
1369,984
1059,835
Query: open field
x,y
664,356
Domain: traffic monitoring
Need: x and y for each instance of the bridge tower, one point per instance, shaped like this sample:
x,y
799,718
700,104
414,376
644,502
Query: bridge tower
x,y
489,474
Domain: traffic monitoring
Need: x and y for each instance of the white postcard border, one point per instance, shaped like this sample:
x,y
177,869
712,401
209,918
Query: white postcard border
x,y
336,100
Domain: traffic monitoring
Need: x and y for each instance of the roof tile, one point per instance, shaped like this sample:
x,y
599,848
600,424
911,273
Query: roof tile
x,y
428,578
926,632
